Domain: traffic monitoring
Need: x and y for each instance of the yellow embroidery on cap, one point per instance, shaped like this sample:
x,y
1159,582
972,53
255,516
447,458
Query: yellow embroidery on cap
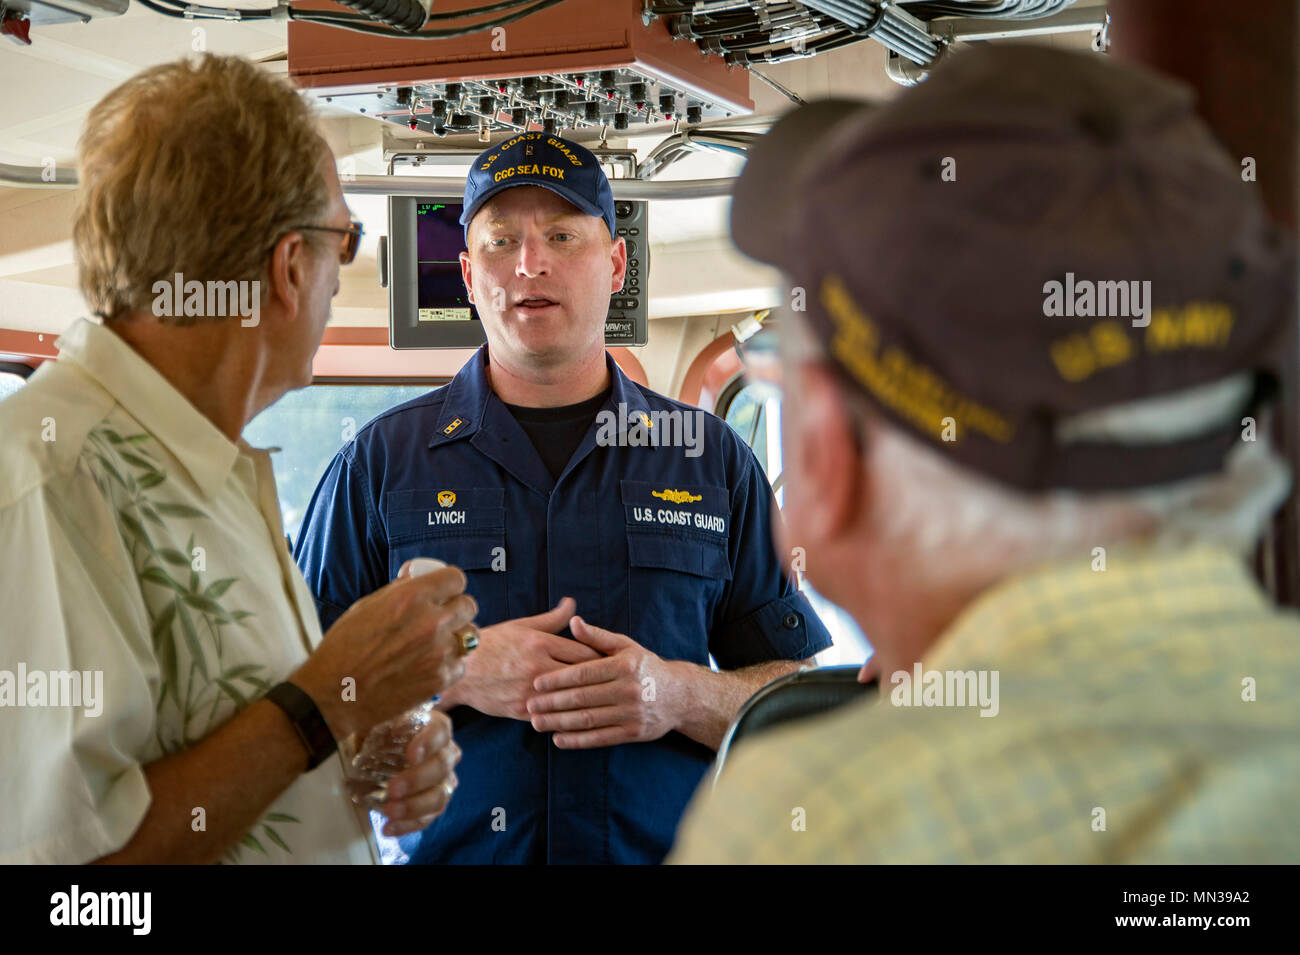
x,y
1194,325
915,391
446,498
559,144
676,497
1080,355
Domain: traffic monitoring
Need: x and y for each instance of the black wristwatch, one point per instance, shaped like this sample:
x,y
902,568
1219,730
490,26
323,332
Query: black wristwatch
x,y
307,722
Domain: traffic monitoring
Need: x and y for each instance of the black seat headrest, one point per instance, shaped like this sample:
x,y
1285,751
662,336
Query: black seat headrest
x,y
793,697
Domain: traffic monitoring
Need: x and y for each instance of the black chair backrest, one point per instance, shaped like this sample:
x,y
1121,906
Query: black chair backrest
x,y
793,697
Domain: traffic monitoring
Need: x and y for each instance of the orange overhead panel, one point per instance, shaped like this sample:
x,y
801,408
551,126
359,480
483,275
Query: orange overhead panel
x,y
580,67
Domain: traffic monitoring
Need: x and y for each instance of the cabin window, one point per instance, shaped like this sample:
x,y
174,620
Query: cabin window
x,y
12,377
753,409
310,425
9,383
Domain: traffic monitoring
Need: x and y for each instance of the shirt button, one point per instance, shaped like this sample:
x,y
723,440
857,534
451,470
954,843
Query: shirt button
x,y
790,621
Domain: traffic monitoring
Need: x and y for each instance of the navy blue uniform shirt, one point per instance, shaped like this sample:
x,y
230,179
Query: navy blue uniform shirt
x,y
673,550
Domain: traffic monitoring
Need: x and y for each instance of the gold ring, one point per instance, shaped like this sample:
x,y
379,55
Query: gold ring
x,y
468,636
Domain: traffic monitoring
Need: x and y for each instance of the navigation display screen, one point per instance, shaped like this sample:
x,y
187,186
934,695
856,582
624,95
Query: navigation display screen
x,y
439,240
428,306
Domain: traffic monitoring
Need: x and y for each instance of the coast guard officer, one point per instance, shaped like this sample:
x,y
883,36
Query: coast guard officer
x,y
539,472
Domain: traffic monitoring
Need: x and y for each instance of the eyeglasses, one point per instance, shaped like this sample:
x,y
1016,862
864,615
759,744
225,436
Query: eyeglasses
x,y
352,243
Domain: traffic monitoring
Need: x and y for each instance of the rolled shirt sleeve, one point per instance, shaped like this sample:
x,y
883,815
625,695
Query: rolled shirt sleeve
x,y
755,626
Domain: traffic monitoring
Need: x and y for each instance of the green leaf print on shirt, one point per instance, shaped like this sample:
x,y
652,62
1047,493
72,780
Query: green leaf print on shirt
x,y
192,611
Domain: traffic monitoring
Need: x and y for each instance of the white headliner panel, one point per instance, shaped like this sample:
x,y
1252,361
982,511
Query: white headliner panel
x,y
695,269
70,66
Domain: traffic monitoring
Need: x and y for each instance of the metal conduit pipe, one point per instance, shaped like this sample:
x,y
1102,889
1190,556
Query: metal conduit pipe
x,y
29,176
36,177
622,188
890,29
821,46
904,47
748,42
924,51
908,25
804,24
898,28
843,37
853,16
902,25
737,25
884,34
1074,19
719,6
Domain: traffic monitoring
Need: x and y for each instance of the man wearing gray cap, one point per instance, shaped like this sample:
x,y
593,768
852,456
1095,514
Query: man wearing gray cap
x,y
1024,449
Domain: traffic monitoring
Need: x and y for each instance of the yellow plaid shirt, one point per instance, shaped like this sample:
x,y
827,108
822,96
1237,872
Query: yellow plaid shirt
x,y
1147,713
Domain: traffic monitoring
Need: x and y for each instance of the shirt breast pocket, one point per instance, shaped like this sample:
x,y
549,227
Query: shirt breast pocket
x,y
464,527
678,565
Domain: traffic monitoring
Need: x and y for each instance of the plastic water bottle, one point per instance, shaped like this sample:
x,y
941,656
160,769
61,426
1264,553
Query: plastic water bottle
x,y
372,762
381,756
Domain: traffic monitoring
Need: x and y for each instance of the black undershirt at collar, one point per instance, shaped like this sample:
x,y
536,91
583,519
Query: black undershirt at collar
x,y
557,432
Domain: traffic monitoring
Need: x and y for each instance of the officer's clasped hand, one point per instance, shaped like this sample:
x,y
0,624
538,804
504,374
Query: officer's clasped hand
x,y
499,675
626,695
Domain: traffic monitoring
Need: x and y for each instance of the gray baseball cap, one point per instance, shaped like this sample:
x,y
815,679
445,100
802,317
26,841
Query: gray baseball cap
x,y
1029,234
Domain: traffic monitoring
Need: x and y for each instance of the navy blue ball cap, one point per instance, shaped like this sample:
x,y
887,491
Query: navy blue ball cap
x,y
568,169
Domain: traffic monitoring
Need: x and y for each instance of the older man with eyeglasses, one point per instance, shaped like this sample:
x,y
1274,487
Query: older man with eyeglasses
x,y
177,694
